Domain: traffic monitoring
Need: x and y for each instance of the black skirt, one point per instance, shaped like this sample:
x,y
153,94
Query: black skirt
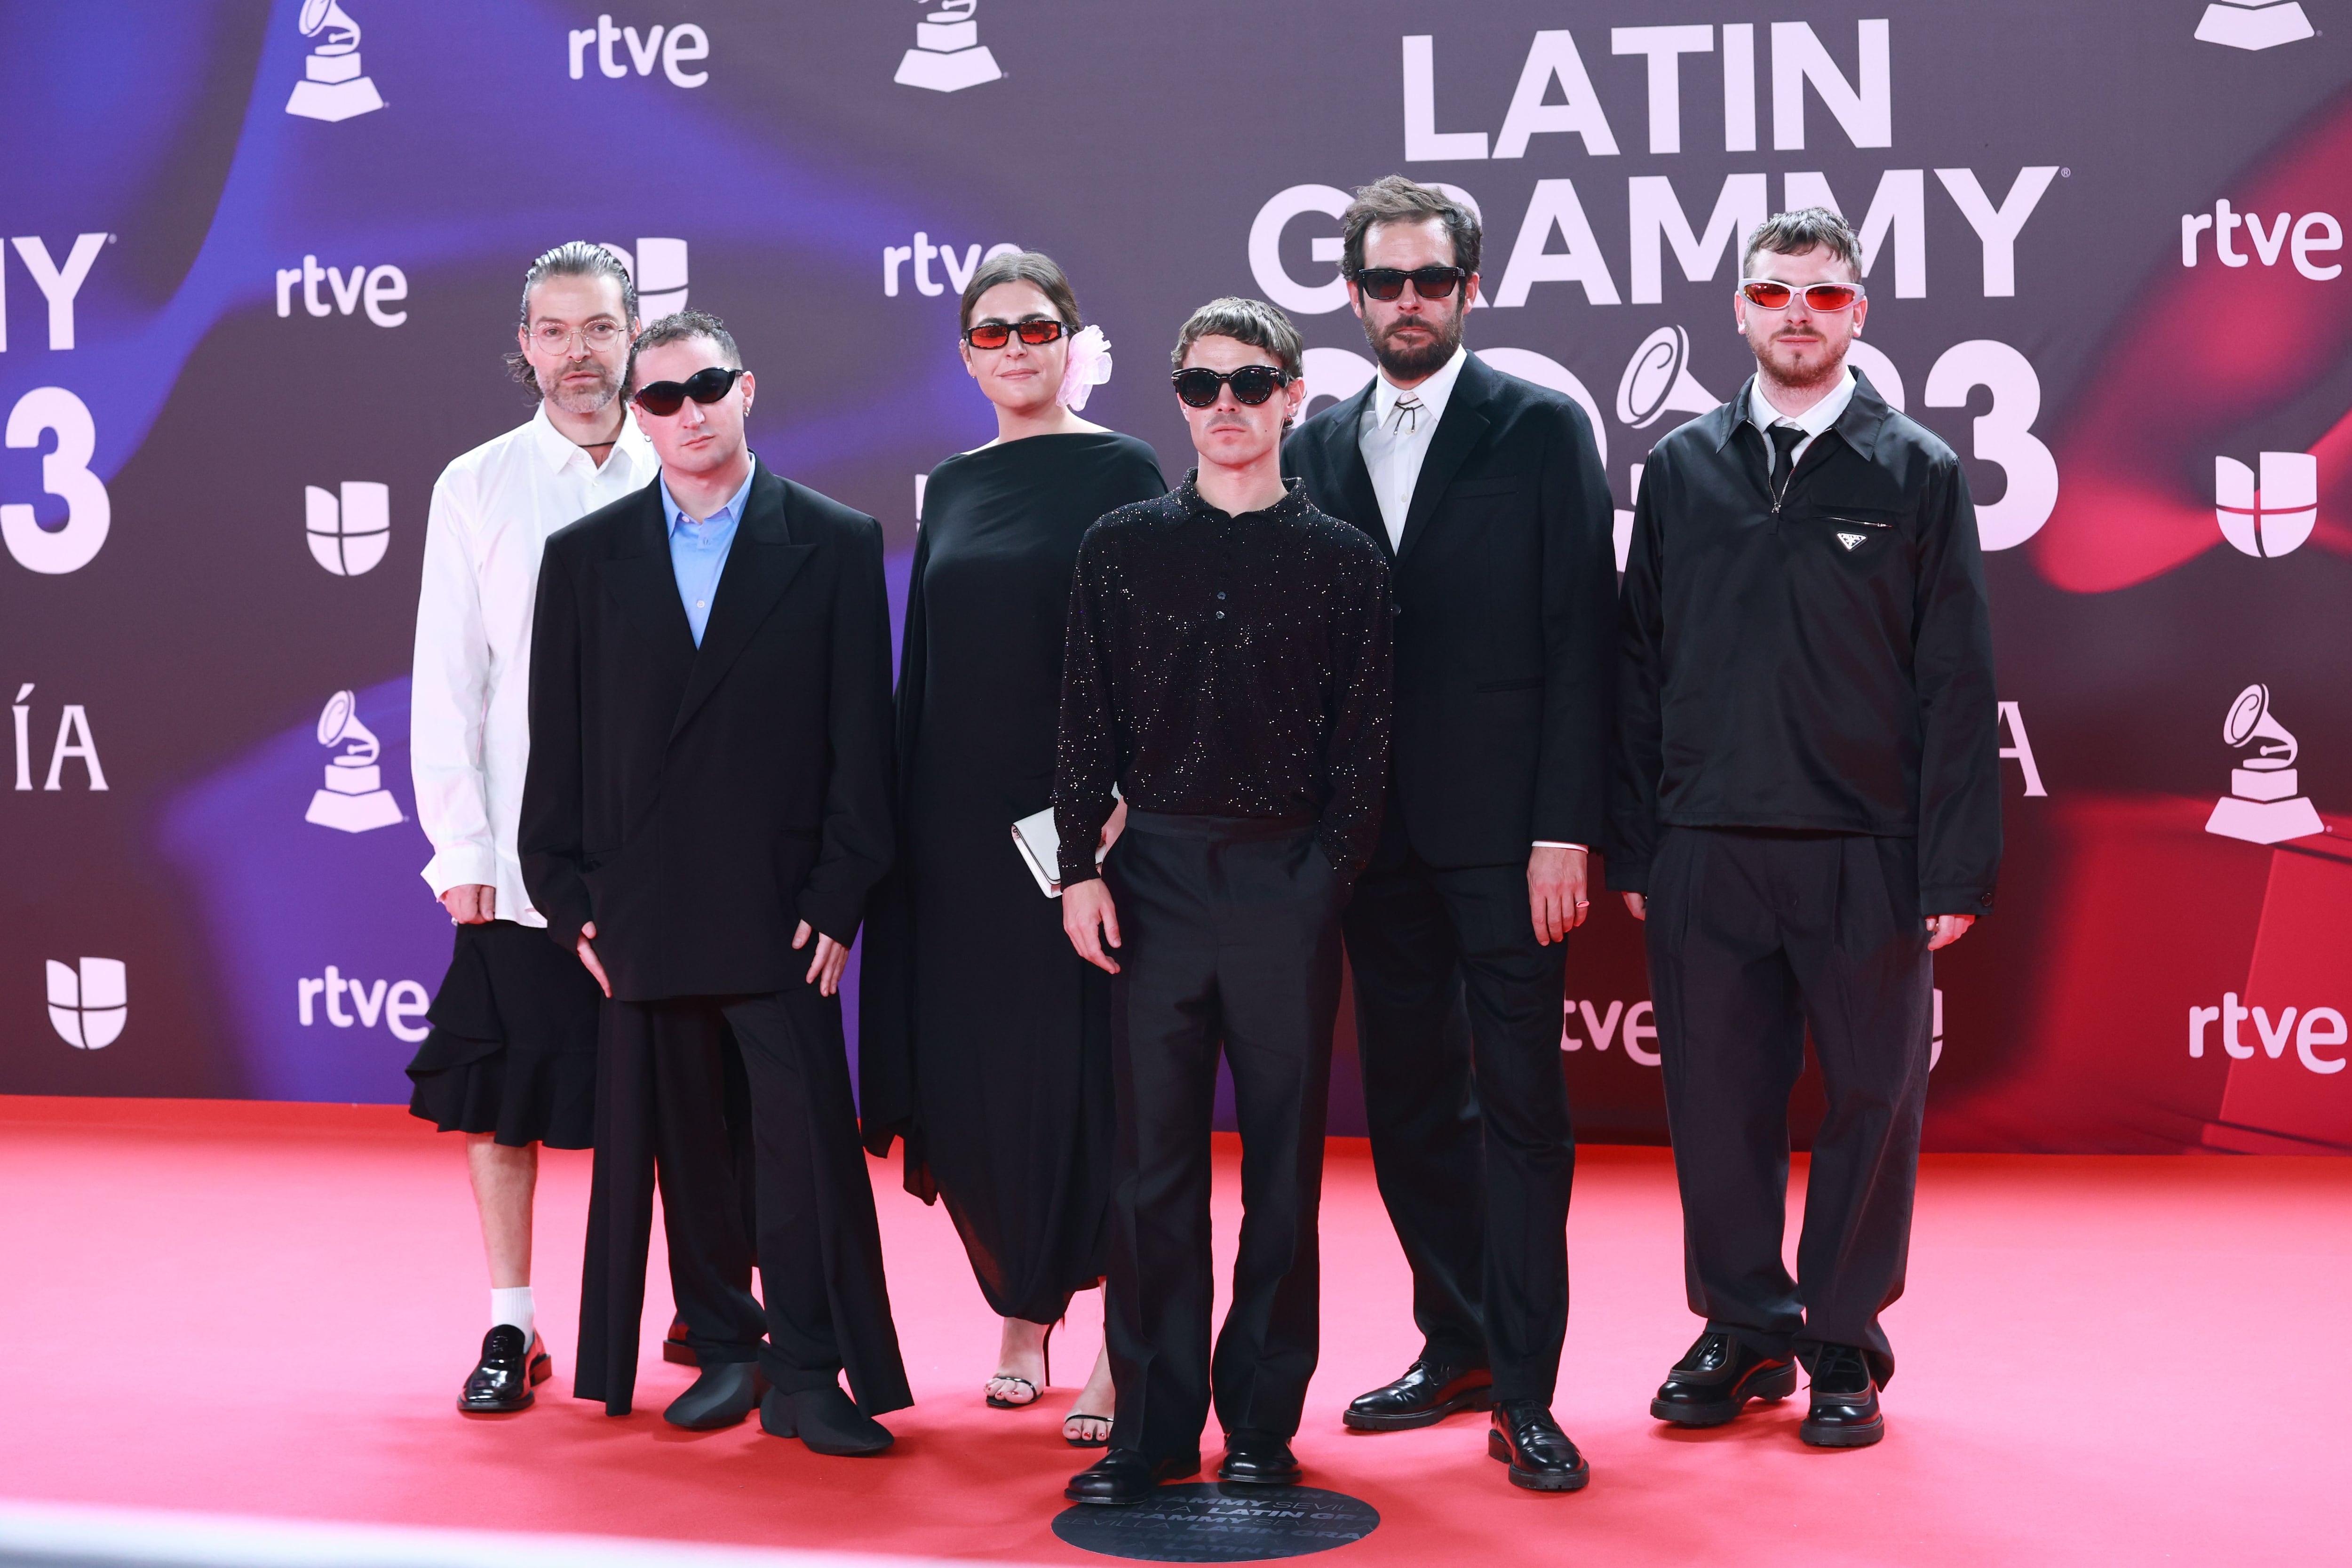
x,y
512,1051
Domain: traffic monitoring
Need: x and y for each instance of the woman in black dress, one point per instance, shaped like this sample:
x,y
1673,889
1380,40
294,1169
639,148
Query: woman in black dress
x,y
984,1041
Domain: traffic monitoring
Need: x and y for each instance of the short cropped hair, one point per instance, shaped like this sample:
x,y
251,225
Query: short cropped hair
x,y
1033,267
1399,199
575,258
1251,322
1794,233
678,327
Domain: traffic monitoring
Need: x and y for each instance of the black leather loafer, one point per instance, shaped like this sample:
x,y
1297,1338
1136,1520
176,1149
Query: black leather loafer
x,y
1254,1458
675,1350
825,1420
1428,1393
1128,1475
1715,1381
721,1397
1845,1414
1542,1459
503,1379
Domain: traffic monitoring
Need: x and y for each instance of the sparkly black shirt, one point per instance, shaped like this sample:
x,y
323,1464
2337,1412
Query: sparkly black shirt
x,y
1222,665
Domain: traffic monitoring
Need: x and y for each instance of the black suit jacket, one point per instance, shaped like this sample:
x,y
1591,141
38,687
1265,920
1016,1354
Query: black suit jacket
x,y
1506,613
697,804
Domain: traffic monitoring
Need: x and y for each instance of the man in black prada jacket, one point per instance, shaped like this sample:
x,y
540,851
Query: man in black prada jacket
x,y
706,806
1808,805
1486,495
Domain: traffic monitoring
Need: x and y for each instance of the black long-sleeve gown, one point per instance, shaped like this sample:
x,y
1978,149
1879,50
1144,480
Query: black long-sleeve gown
x,y
984,1041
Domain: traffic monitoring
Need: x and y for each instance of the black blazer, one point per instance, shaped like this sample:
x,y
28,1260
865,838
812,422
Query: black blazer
x,y
1505,616
699,803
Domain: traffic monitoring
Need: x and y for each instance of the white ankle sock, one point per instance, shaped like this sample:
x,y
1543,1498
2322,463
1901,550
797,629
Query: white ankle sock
x,y
514,1306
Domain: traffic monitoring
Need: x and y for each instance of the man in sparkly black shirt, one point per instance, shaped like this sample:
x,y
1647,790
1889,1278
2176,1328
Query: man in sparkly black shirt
x,y
1227,668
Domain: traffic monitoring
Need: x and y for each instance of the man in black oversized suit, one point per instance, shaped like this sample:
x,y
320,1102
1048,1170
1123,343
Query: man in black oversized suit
x,y
708,793
1486,494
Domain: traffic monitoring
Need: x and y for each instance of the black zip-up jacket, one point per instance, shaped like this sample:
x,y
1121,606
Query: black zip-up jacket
x,y
1824,663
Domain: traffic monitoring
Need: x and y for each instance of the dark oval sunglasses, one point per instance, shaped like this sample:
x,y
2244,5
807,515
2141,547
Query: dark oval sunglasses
x,y
1253,385
1036,333
663,398
1429,282
1770,294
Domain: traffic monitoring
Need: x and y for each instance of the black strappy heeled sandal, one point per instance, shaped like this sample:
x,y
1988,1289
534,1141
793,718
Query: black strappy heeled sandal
x,y
1037,1391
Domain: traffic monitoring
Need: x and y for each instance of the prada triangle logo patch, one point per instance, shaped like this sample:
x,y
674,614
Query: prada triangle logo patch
x,y
1851,540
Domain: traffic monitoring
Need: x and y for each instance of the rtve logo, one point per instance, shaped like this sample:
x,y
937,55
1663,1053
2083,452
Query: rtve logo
x,y
348,536
672,45
395,1004
2320,1026
922,253
372,286
2272,518
332,86
73,744
69,545
1639,1029
90,1004
2298,239
2254,23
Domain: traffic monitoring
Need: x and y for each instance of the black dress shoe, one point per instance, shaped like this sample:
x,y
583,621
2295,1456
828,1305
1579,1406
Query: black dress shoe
x,y
1715,1380
1845,1402
721,1397
1256,1459
1428,1393
675,1350
503,1379
825,1420
1542,1459
1126,1476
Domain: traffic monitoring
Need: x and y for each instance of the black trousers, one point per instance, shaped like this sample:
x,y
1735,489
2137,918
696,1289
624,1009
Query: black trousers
x,y
1231,933
1458,1029
1753,938
810,1225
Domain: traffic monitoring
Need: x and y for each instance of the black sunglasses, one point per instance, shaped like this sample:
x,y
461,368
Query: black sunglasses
x,y
1036,332
1429,282
1253,385
667,397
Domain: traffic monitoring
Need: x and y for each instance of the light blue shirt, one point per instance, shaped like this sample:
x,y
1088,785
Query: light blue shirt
x,y
698,552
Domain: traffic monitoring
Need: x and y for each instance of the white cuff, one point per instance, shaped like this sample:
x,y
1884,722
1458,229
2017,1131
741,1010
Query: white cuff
x,y
461,864
1554,844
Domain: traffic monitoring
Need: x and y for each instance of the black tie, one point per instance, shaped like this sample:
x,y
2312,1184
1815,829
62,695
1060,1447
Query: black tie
x,y
1785,439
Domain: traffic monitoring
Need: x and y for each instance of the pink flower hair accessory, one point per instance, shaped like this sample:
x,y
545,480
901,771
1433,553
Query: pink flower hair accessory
x,y
1088,367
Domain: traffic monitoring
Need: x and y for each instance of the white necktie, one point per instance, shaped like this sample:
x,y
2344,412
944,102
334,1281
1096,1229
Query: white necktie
x,y
1407,419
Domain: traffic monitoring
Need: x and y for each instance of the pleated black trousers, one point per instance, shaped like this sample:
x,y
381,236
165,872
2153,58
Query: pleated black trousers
x,y
1231,934
1457,1030
1754,937
660,1116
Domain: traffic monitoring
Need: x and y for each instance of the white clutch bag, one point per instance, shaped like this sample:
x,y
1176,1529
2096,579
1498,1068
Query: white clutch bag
x,y
1040,850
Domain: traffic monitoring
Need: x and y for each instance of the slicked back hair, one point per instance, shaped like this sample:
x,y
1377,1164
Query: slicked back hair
x,y
1794,233
573,258
1251,322
1399,199
1033,267
678,327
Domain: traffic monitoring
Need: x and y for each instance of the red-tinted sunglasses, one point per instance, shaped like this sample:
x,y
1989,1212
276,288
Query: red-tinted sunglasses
x,y
1770,294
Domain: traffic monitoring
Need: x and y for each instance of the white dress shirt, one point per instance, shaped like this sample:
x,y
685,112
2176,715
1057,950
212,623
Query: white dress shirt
x,y
1394,443
468,720
1812,421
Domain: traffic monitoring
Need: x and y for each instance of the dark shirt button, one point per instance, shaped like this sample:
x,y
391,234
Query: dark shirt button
x,y
1221,615
1221,593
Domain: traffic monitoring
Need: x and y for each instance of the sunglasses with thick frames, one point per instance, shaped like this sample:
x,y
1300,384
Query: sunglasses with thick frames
x,y
1036,332
1253,385
663,398
1772,294
1429,282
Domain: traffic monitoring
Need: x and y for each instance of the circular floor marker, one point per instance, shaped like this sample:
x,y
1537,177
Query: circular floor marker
x,y
1205,1522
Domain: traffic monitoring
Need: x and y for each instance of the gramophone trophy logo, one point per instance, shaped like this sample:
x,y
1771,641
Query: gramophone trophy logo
x,y
2263,805
948,56
1658,378
2254,24
354,799
332,86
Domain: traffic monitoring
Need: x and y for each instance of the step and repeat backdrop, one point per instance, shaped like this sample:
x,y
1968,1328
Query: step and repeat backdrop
x,y
260,263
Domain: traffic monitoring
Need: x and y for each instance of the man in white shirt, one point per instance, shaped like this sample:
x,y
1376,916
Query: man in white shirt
x,y
511,1059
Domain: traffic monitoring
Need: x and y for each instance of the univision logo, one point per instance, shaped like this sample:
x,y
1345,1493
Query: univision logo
x,y
348,536
89,1004
2274,517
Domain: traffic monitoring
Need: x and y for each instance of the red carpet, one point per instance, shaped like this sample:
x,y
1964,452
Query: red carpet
x,y
268,1308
